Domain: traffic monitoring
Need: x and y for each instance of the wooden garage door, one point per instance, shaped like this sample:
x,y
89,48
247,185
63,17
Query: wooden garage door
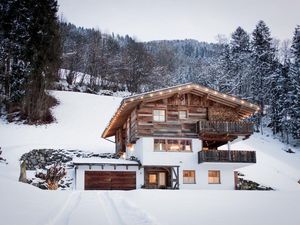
x,y
107,180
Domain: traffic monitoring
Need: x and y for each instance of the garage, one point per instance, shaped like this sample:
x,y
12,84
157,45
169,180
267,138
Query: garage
x,y
109,180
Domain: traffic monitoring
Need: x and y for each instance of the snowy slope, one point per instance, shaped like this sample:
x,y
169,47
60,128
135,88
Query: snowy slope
x,y
274,167
80,121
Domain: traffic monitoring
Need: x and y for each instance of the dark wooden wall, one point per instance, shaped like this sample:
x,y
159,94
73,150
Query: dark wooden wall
x,y
140,122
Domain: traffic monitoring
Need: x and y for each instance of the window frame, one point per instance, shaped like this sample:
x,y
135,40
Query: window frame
x,y
156,178
185,182
159,121
186,114
219,176
166,143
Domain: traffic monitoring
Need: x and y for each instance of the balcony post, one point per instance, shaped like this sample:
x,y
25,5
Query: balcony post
x,y
229,148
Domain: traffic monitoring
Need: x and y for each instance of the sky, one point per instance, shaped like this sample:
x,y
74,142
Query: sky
x,y
148,20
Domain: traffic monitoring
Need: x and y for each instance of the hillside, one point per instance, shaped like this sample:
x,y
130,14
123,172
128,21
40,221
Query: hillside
x,y
80,119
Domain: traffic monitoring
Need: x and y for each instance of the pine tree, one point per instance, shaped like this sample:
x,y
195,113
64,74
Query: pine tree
x,y
295,77
240,62
30,55
225,64
262,66
15,69
276,82
284,100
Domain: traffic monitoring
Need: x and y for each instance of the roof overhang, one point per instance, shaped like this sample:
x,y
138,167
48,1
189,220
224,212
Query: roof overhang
x,y
246,108
103,161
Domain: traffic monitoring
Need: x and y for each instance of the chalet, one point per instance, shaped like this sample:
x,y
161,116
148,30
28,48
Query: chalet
x,y
174,135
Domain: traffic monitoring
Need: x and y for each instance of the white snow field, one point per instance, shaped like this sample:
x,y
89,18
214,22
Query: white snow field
x,y
80,121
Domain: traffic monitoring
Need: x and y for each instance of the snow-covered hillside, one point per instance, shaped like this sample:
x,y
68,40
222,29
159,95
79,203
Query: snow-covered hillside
x,y
81,119
275,167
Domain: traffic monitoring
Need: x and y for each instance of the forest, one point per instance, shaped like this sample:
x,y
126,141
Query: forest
x,y
34,46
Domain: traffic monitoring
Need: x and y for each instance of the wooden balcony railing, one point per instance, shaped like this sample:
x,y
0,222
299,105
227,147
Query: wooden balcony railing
x,y
219,127
235,156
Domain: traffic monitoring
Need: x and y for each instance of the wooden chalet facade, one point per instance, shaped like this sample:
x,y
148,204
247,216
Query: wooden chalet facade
x,y
175,134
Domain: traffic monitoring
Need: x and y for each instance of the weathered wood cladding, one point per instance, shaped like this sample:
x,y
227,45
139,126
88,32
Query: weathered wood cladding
x,y
218,112
186,94
140,122
197,108
133,126
120,140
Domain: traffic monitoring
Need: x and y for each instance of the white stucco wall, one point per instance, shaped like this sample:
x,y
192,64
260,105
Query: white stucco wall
x,y
144,151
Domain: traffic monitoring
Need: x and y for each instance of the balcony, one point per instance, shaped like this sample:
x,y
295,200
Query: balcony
x,y
235,156
219,128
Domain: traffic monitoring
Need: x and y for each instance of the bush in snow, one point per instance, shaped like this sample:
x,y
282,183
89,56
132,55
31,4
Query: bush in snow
x,y
54,174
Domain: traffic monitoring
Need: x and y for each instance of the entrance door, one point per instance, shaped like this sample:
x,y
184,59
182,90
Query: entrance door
x,y
162,179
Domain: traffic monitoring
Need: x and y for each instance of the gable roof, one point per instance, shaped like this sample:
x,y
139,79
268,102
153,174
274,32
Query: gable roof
x,y
129,103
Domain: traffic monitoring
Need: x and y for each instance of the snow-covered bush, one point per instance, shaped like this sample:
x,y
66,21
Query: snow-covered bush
x,y
54,174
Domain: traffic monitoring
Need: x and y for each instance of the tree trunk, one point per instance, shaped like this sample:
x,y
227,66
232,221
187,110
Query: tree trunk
x,y
23,177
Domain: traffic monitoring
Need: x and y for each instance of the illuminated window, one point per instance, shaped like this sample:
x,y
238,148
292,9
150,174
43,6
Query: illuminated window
x,y
182,114
159,144
189,177
214,177
159,115
172,145
152,178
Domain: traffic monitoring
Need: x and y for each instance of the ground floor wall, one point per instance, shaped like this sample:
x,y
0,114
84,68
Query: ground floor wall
x,y
226,173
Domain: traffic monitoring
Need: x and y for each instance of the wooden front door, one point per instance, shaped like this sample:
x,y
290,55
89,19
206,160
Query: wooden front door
x,y
157,177
162,179
109,180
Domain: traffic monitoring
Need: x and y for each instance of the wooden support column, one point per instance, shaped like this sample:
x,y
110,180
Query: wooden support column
x,y
175,178
229,148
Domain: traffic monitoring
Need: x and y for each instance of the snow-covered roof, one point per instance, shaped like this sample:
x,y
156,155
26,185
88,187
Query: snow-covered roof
x,y
97,160
128,104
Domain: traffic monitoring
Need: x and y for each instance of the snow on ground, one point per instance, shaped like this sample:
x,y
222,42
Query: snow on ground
x,y
213,207
81,119
24,204
275,167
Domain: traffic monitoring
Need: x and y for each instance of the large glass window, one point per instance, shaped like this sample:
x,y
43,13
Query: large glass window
x,y
214,177
159,115
172,145
189,177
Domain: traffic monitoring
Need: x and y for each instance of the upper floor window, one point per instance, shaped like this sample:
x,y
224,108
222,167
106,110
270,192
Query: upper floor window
x,y
214,177
159,115
182,114
172,145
